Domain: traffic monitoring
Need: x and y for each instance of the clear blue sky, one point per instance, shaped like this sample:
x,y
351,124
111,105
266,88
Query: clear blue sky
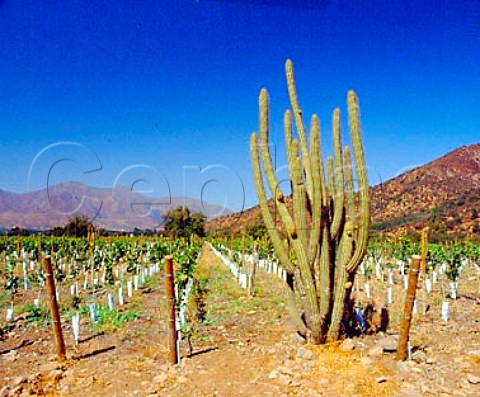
x,y
147,88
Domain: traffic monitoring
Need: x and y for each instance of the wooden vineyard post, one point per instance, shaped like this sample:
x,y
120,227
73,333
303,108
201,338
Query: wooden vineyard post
x,y
19,245
52,294
402,351
172,331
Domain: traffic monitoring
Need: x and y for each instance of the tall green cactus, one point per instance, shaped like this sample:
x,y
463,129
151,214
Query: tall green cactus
x,y
327,229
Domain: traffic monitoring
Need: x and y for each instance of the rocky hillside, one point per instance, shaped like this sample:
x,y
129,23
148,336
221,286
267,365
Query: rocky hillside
x,y
447,189
443,194
113,209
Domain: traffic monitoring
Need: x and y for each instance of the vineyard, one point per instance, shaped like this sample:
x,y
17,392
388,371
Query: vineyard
x,y
237,198
315,305
229,303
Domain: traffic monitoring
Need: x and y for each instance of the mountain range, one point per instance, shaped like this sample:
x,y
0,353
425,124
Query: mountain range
x,y
117,208
444,193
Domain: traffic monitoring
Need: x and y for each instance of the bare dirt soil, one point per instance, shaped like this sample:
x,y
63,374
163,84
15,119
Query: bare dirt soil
x,y
248,347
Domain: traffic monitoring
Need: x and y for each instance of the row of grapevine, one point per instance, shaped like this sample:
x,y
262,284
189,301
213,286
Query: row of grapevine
x,y
93,278
385,265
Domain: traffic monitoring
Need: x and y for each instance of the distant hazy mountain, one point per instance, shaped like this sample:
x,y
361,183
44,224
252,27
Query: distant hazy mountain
x,y
114,209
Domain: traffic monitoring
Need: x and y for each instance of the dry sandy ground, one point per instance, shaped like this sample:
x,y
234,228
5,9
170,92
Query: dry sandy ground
x,y
249,348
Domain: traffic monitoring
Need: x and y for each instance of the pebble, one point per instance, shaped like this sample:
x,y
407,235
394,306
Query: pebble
x,y
389,343
33,378
273,374
348,345
285,379
182,379
375,351
298,340
473,379
404,366
366,361
16,390
419,357
160,379
12,356
18,381
431,360
305,354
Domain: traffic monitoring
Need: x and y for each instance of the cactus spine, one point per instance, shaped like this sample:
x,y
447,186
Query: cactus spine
x,y
327,227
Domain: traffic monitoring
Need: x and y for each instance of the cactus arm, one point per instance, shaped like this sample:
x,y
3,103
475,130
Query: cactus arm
x,y
338,172
341,289
319,163
298,237
297,113
325,272
279,247
330,181
363,224
349,185
280,205
347,251
299,201
316,226
293,310
288,128
344,252
262,199
285,217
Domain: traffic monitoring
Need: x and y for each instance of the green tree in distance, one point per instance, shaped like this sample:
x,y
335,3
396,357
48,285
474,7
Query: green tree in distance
x,y
78,226
181,222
